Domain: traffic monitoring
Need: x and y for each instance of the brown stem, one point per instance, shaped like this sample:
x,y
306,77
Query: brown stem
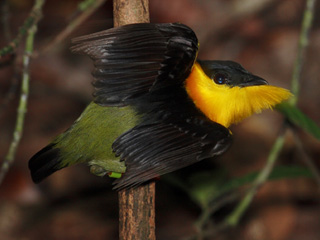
x,y
130,11
137,215
136,205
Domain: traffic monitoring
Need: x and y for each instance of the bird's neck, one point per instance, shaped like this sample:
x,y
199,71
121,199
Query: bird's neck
x,y
227,105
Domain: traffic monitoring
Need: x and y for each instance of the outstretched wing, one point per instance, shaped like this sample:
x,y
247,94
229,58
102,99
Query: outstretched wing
x,y
154,149
140,63
134,60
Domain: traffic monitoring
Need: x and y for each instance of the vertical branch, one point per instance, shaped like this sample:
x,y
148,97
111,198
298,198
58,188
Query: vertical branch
x,y
136,205
22,108
126,12
137,213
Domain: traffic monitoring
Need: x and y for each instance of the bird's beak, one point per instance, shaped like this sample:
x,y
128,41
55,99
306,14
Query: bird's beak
x,y
253,81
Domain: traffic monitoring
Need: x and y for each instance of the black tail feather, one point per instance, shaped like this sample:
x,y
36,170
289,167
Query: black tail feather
x,y
44,163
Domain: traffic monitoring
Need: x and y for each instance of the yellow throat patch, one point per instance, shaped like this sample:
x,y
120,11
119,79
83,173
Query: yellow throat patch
x,y
227,105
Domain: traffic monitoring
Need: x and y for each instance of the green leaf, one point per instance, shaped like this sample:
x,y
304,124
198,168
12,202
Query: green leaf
x,y
298,118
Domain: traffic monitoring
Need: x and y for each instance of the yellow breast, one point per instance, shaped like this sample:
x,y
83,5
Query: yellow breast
x,y
227,105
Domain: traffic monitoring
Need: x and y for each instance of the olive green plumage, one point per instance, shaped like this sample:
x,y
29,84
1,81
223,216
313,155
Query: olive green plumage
x,y
99,127
89,140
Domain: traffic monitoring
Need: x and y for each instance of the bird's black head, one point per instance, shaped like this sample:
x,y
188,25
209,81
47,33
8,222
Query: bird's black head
x,y
230,73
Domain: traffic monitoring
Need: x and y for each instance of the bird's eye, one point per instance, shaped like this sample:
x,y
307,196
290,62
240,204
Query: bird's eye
x,y
220,78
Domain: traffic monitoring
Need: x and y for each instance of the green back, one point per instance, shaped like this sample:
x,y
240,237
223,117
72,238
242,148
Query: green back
x,y
91,136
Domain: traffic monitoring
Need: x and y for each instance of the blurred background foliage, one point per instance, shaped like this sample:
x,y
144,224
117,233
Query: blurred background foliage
x,y
198,202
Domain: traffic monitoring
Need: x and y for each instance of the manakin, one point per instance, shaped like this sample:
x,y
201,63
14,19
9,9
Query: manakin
x,y
156,108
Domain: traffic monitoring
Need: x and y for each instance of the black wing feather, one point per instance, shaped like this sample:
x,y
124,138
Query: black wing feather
x,y
152,150
134,60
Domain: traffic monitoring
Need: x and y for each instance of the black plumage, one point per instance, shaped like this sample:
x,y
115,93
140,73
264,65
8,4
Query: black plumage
x,y
152,150
136,60
44,163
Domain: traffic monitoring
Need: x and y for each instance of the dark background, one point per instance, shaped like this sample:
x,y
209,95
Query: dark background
x,y
73,204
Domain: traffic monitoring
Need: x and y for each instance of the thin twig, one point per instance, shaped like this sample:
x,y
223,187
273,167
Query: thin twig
x,y
31,21
303,42
87,8
22,108
235,216
307,159
209,210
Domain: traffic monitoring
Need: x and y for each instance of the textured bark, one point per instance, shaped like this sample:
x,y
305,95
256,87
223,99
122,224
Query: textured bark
x,y
130,11
137,213
136,205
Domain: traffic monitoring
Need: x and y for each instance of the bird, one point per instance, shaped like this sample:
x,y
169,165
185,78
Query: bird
x,y
156,107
